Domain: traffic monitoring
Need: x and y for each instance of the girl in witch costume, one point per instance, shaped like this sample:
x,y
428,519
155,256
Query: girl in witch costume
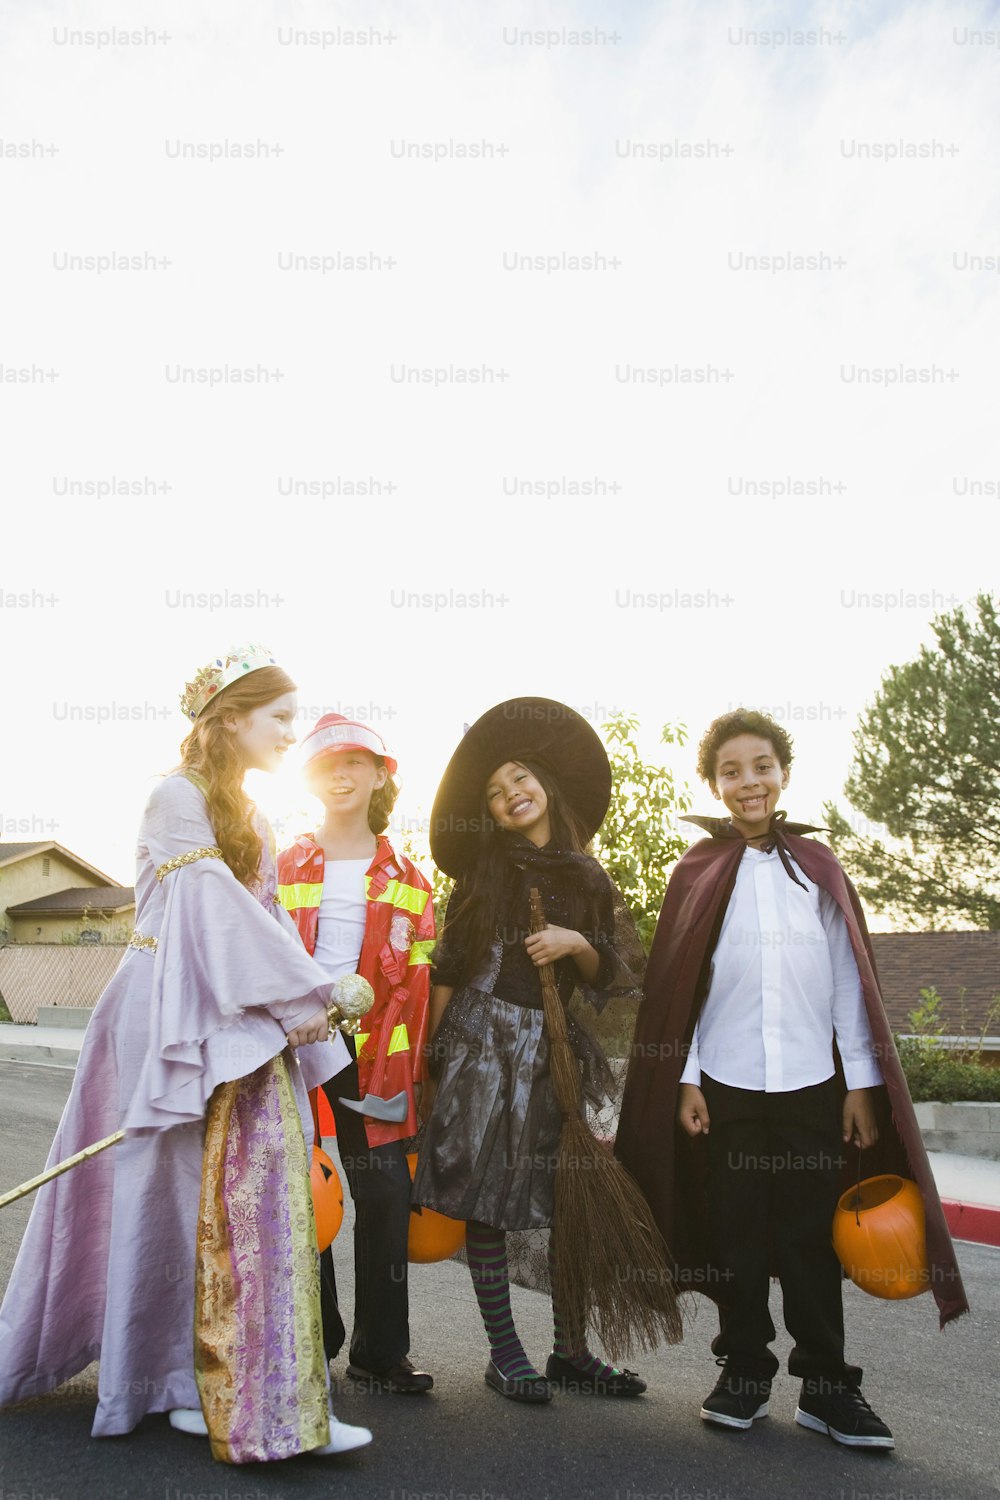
x,y
762,1055
184,1258
525,791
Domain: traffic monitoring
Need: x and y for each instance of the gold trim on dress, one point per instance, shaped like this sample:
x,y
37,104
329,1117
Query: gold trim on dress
x,y
258,1329
138,940
188,858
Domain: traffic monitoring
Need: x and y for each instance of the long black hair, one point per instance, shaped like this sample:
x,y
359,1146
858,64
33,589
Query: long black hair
x,y
489,892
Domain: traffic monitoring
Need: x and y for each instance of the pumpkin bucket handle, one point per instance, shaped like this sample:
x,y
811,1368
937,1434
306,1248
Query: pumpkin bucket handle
x,y
856,1205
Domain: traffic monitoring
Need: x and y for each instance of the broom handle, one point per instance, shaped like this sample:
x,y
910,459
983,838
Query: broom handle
x,y
564,1068
550,989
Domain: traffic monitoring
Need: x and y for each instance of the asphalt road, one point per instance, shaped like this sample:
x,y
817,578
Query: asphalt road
x,y
463,1442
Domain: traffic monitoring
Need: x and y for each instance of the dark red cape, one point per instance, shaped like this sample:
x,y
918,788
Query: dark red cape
x,y
668,1164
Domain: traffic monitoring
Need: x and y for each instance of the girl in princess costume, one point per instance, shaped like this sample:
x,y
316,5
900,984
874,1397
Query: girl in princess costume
x,y
184,1258
525,791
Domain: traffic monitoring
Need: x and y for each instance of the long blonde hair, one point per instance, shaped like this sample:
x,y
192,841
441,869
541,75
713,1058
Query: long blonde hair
x,y
210,753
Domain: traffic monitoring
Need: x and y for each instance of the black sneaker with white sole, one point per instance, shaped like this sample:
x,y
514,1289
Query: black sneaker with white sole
x,y
738,1399
839,1409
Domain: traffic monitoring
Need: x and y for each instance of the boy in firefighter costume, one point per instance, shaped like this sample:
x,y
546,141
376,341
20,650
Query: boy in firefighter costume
x,y
184,1257
763,1064
362,908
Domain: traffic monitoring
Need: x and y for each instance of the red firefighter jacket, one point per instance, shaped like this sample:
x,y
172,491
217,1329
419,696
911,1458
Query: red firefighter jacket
x,y
395,959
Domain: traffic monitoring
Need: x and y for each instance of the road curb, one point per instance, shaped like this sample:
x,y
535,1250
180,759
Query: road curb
x,y
978,1222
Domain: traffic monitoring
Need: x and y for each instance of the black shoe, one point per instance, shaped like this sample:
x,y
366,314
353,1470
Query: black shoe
x,y
838,1408
738,1399
518,1388
402,1379
567,1377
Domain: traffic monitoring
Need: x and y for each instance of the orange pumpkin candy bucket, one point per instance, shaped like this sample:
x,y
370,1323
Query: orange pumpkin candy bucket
x,y
327,1196
879,1237
432,1236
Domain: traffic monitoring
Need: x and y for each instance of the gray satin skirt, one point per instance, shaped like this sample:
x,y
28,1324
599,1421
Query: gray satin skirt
x,y
490,1146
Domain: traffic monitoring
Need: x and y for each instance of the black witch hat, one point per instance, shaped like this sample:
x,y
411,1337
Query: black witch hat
x,y
520,728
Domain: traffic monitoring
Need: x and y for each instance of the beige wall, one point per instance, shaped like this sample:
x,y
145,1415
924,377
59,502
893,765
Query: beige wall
x,y
62,927
24,881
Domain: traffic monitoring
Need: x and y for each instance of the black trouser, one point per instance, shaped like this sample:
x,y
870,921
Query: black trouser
x,y
773,1163
379,1182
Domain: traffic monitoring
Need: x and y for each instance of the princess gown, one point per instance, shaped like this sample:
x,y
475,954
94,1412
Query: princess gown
x,y
214,980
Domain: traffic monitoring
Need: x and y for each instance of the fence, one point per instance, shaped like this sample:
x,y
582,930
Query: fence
x,y
69,974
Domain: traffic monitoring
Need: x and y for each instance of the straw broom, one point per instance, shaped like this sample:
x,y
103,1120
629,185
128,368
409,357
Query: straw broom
x,y
611,1262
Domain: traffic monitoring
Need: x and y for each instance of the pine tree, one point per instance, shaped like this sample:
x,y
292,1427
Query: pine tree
x,y
927,769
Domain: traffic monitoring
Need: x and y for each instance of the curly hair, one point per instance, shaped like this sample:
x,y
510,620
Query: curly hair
x,y
210,753
741,721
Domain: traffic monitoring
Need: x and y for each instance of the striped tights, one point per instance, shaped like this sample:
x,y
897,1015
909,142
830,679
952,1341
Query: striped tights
x,y
486,1250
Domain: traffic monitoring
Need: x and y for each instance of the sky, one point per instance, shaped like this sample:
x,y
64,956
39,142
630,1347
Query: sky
x,y
638,357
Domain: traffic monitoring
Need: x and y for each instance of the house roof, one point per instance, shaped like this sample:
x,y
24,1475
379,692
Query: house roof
x,y
10,853
104,898
950,961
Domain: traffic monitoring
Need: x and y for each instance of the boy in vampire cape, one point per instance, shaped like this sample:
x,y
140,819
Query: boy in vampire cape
x,y
763,1062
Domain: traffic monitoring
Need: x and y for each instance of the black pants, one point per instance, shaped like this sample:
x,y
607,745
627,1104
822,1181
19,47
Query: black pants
x,y
773,1164
379,1182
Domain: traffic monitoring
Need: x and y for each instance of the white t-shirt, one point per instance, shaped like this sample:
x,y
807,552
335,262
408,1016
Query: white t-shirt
x,y
342,912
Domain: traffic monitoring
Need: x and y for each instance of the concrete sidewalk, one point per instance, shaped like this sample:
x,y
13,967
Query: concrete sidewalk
x,y
970,1192
59,1045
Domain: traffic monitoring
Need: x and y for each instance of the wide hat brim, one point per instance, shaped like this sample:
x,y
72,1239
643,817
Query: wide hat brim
x,y
513,730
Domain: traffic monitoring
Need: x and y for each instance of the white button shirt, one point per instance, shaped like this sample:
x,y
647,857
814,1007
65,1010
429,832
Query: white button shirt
x,y
783,984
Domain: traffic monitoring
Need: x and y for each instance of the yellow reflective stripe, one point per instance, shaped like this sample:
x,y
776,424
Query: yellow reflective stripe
x,y
294,897
408,897
420,952
398,1042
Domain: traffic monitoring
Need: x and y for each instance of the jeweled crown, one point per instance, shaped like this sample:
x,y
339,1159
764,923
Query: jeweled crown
x,y
239,661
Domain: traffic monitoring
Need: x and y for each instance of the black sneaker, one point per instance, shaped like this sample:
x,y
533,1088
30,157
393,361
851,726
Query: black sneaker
x,y
837,1408
738,1399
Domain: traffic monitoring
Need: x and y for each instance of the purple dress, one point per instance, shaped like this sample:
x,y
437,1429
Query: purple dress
x,y
106,1269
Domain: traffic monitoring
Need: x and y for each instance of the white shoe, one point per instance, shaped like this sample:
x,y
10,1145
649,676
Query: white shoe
x,y
343,1438
186,1419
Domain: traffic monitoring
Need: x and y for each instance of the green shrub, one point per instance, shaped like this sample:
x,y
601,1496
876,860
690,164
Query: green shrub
x,y
948,1074
933,1074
